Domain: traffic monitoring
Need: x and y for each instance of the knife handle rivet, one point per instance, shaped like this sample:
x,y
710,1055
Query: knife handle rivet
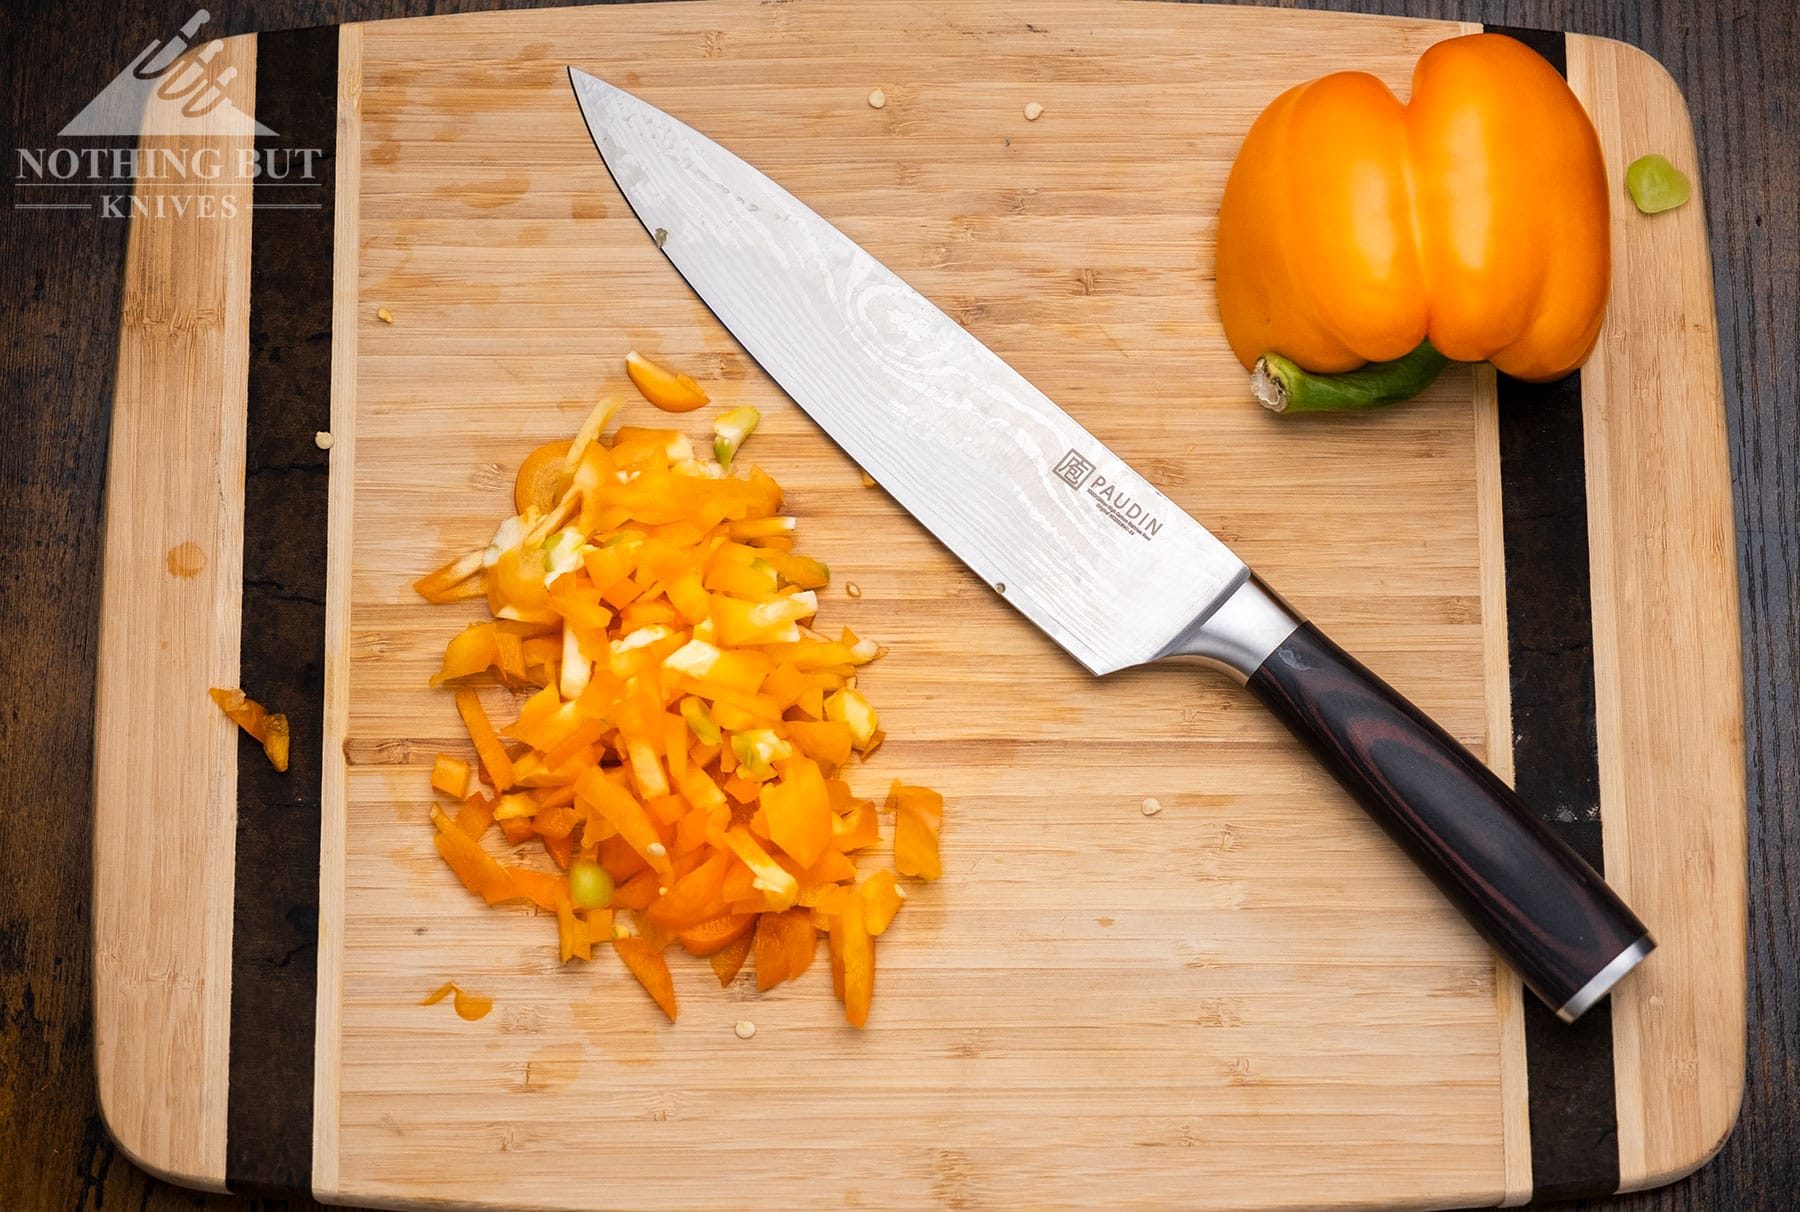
x,y
999,586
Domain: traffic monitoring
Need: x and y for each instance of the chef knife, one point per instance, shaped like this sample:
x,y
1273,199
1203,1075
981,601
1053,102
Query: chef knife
x,y
1082,545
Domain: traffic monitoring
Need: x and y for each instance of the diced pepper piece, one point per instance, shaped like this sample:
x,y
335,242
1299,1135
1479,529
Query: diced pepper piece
x,y
756,751
477,869
698,789
542,478
276,742
472,651
859,962
741,622
882,897
834,948
728,960
571,931
638,891
762,528
475,815
826,741
517,589
442,584
509,654
668,390
716,933
741,671
450,775
545,721
918,817
799,811
539,887
802,572
651,969
269,728
700,720
626,815
729,431
832,868
493,755
771,878
784,947
695,897
587,436
646,769
853,709
856,829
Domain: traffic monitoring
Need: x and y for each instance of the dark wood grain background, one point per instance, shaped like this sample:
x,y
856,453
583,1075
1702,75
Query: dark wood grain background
x,y
59,288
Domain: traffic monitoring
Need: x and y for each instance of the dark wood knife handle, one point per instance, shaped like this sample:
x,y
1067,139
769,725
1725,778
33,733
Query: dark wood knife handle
x,y
1547,913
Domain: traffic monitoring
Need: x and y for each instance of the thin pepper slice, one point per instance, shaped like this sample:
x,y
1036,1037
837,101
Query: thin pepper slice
x,y
651,969
859,962
716,934
728,960
882,897
487,744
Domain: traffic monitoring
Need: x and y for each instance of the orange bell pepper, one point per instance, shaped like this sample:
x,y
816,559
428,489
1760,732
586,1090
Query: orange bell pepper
x,y
1472,220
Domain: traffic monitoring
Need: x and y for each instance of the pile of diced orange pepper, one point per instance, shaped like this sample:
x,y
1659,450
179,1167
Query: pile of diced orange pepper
x,y
681,750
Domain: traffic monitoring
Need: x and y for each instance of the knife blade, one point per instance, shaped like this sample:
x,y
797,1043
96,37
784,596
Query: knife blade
x,y
1079,542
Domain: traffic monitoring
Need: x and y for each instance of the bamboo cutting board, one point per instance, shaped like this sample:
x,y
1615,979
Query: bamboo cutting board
x,y
1248,999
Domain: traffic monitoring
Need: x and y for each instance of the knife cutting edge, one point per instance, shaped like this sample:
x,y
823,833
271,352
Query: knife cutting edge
x,y
1083,546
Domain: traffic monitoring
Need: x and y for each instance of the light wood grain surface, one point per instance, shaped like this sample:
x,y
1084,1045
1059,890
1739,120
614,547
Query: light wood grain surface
x,y
165,758
1185,1000
346,253
1670,689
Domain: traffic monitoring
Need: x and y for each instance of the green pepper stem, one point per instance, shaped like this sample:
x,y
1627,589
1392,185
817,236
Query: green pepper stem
x,y
1284,386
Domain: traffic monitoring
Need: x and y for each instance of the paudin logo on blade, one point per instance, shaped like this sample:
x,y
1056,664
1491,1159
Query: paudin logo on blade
x,y
1114,500
183,142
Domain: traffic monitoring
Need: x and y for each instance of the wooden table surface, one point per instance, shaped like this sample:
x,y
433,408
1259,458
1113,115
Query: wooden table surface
x,y
59,291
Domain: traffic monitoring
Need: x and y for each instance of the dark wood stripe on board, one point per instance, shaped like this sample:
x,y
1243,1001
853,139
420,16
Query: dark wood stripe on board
x,y
1556,753
274,959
